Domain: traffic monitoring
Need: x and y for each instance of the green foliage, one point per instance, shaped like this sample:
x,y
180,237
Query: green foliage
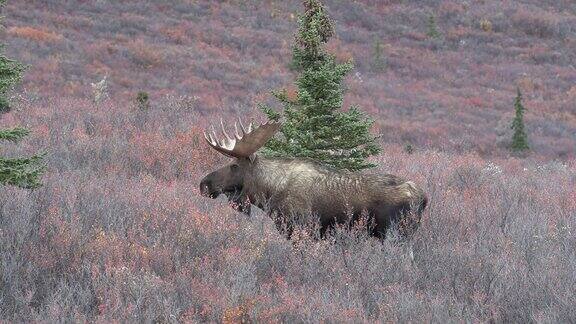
x,y
433,28
13,134
520,138
378,60
409,148
10,75
314,126
21,172
315,29
143,100
4,105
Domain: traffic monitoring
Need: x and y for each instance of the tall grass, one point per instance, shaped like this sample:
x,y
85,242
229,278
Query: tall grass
x,y
119,232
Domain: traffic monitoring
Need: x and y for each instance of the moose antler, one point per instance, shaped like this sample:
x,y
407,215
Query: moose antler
x,y
245,142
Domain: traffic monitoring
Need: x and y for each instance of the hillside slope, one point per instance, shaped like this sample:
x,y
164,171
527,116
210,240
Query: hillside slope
x,y
455,93
120,233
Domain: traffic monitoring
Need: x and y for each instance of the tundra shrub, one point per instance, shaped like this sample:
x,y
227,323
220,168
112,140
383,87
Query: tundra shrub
x,y
486,25
143,100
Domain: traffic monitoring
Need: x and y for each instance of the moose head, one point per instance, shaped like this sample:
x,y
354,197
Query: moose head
x,y
242,147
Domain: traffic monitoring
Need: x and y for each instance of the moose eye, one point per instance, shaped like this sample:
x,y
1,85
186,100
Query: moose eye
x,y
234,167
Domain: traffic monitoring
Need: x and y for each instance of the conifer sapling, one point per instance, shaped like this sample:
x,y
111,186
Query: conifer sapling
x,y
314,126
520,138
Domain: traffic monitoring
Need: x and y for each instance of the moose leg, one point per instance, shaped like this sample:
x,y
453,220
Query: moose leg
x,y
404,216
385,216
410,215
408,223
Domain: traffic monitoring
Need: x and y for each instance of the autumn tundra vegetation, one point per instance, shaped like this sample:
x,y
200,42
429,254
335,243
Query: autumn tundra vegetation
x,y
102,218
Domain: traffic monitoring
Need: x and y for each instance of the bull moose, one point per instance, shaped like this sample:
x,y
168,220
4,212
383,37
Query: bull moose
x,y
292,189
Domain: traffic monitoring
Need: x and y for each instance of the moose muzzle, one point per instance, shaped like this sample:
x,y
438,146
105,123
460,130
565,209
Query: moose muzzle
x,y
207,190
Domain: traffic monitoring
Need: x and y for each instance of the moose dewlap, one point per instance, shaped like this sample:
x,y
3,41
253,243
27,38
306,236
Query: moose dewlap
x,y
292,190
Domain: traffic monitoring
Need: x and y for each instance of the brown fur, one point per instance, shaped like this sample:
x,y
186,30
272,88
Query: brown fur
x,y
291,189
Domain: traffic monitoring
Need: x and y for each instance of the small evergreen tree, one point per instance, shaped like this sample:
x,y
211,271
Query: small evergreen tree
x,y
10,75
520,138
433,28
378,60
313,126
21,172
143,100
409,148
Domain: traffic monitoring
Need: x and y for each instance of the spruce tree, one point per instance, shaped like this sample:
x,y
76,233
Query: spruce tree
x,y
520,138
433,28
314,126
143,100
10,74
21,172
378,60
